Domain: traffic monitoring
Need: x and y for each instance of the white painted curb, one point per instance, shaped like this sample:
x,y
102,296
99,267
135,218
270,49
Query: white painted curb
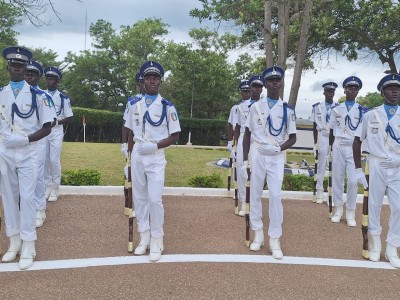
x,y
182,191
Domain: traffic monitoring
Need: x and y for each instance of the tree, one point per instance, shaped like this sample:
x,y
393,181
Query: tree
x,y
9,17
34,9
361,28
104,78
371,100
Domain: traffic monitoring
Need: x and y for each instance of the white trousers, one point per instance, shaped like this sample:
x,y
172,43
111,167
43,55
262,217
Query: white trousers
x,y
342,163
19,169
273,168
40,198
323,149
148,172
381,180
52,167
241,181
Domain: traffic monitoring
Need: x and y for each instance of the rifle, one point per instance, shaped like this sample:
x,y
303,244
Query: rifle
x,y
230,173
235,196
126,187
330,182
1,217
247,217
130,199
315,174
364,226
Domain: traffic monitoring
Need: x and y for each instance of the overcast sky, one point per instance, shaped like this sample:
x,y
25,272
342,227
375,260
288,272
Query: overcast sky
x,y
69,35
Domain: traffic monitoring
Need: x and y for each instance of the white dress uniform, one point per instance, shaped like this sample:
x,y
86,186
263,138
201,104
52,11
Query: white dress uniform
x,y
320,115
19,166
148,171
40,199
52,173
265,165
243,110
382,180
344,122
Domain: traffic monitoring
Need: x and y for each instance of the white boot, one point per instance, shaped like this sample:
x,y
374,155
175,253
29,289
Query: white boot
x,y
351,217
40,217
13,249
275,247
392,256
338,214
375,247
258,241
242,211
28,254
53,195
320,196
143,244
47,192
156,248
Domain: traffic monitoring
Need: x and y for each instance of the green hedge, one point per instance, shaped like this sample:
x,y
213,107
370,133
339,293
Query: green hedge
x,y
206,181
105,127
79,177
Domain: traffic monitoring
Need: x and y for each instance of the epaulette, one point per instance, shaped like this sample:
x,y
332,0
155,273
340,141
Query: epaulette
x,y
62,95
134,99
37,91
288,106
169,103
363,108
336,104
315,104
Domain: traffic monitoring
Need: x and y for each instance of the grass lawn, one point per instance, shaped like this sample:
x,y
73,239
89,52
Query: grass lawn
x,y
182,163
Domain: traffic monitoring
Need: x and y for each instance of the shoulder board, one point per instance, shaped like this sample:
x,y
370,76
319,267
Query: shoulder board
x,y
335,105
134,99
315,104
36,90
363,108
169,103
62,95
288,106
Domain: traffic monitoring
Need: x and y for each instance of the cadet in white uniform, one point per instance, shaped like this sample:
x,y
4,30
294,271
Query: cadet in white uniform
x,y
321,112
62,103
25,117
154,123
269,123
380,128
34,72
252,89
344,120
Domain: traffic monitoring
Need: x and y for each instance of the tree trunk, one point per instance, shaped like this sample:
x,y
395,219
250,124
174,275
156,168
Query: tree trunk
x,y
301,51
269,58
283,30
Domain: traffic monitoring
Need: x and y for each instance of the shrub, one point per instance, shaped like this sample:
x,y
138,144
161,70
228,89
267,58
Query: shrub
x,y
206,181
80,177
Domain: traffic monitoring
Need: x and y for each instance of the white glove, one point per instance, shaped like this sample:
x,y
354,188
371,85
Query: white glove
x,y
14,141
269,150
243,169
392,162
360,176
315,151
230,149
124,149
147,148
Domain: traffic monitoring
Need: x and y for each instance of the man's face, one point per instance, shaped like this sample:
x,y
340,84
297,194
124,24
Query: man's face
x,y
16,71
391,94
351,92
32,77
273,85
152,84
329,94
255,91
245,94
52,82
